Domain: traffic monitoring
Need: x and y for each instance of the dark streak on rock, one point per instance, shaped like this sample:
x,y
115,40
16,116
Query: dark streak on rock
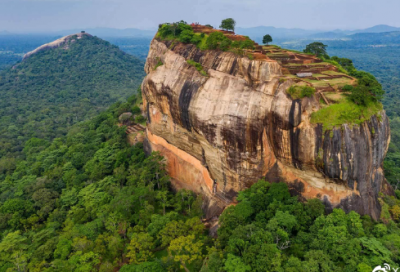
x,y
295,133
328,205
189,89
318,154
273,174
148,113
234,67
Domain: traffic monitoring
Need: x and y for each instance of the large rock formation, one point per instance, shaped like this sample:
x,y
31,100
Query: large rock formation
x,y
222,132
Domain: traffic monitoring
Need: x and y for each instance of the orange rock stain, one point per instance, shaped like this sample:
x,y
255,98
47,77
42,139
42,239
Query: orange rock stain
x,y
181,165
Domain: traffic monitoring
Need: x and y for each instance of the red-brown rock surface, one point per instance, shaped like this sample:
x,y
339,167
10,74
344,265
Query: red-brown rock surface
x,y
238,125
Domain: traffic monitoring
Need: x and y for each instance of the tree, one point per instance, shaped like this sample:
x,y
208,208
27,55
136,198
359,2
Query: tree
x,y
316,48
163,197
360,95
140,248
267,39
147,266
228,24
186,250
235,264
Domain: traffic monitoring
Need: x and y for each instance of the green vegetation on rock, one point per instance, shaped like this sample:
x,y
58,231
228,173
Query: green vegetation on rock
x,y
198,67
159,63
359,103
181,31
298,92
345,112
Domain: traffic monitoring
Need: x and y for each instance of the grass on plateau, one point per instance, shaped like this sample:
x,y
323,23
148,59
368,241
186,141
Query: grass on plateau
x,y
345,112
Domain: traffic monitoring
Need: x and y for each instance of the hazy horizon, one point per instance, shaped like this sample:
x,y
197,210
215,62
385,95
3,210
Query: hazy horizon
x,y
155,29
58,15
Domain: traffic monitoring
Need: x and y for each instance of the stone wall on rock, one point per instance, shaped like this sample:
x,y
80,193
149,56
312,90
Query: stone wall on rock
x,y
223,132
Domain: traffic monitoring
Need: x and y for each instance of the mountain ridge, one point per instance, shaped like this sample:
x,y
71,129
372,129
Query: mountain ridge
x,y
56,87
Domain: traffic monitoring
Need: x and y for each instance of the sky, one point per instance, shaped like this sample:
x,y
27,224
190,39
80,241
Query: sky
x,y
53,15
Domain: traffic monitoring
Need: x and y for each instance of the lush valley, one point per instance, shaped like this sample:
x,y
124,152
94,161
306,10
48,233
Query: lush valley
x,y
54,89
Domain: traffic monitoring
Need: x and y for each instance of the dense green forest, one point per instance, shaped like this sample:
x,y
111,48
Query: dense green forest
x,y
53,89
13,47
89,201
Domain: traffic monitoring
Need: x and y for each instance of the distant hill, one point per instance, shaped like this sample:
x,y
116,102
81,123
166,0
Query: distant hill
x,y
379,29
393,36
112,32
257,33
57,87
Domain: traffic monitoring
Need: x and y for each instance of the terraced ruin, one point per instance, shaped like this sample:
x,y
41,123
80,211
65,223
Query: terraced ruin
x,y
303,69
308,70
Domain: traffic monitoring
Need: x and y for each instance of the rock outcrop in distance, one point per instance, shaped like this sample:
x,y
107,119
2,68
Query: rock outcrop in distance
x,y
222,132
61,42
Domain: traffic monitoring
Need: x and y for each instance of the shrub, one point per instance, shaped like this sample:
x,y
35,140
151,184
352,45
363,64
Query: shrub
x,y
135,110
186,36
140,119
360,95
379,230
298,92
225,44
158,64
347,88
198,66
345,63
196,39
216,39
307,92
246,44
165,30
174,29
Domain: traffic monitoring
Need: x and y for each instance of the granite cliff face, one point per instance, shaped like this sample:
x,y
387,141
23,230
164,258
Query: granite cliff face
x,y
222,132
